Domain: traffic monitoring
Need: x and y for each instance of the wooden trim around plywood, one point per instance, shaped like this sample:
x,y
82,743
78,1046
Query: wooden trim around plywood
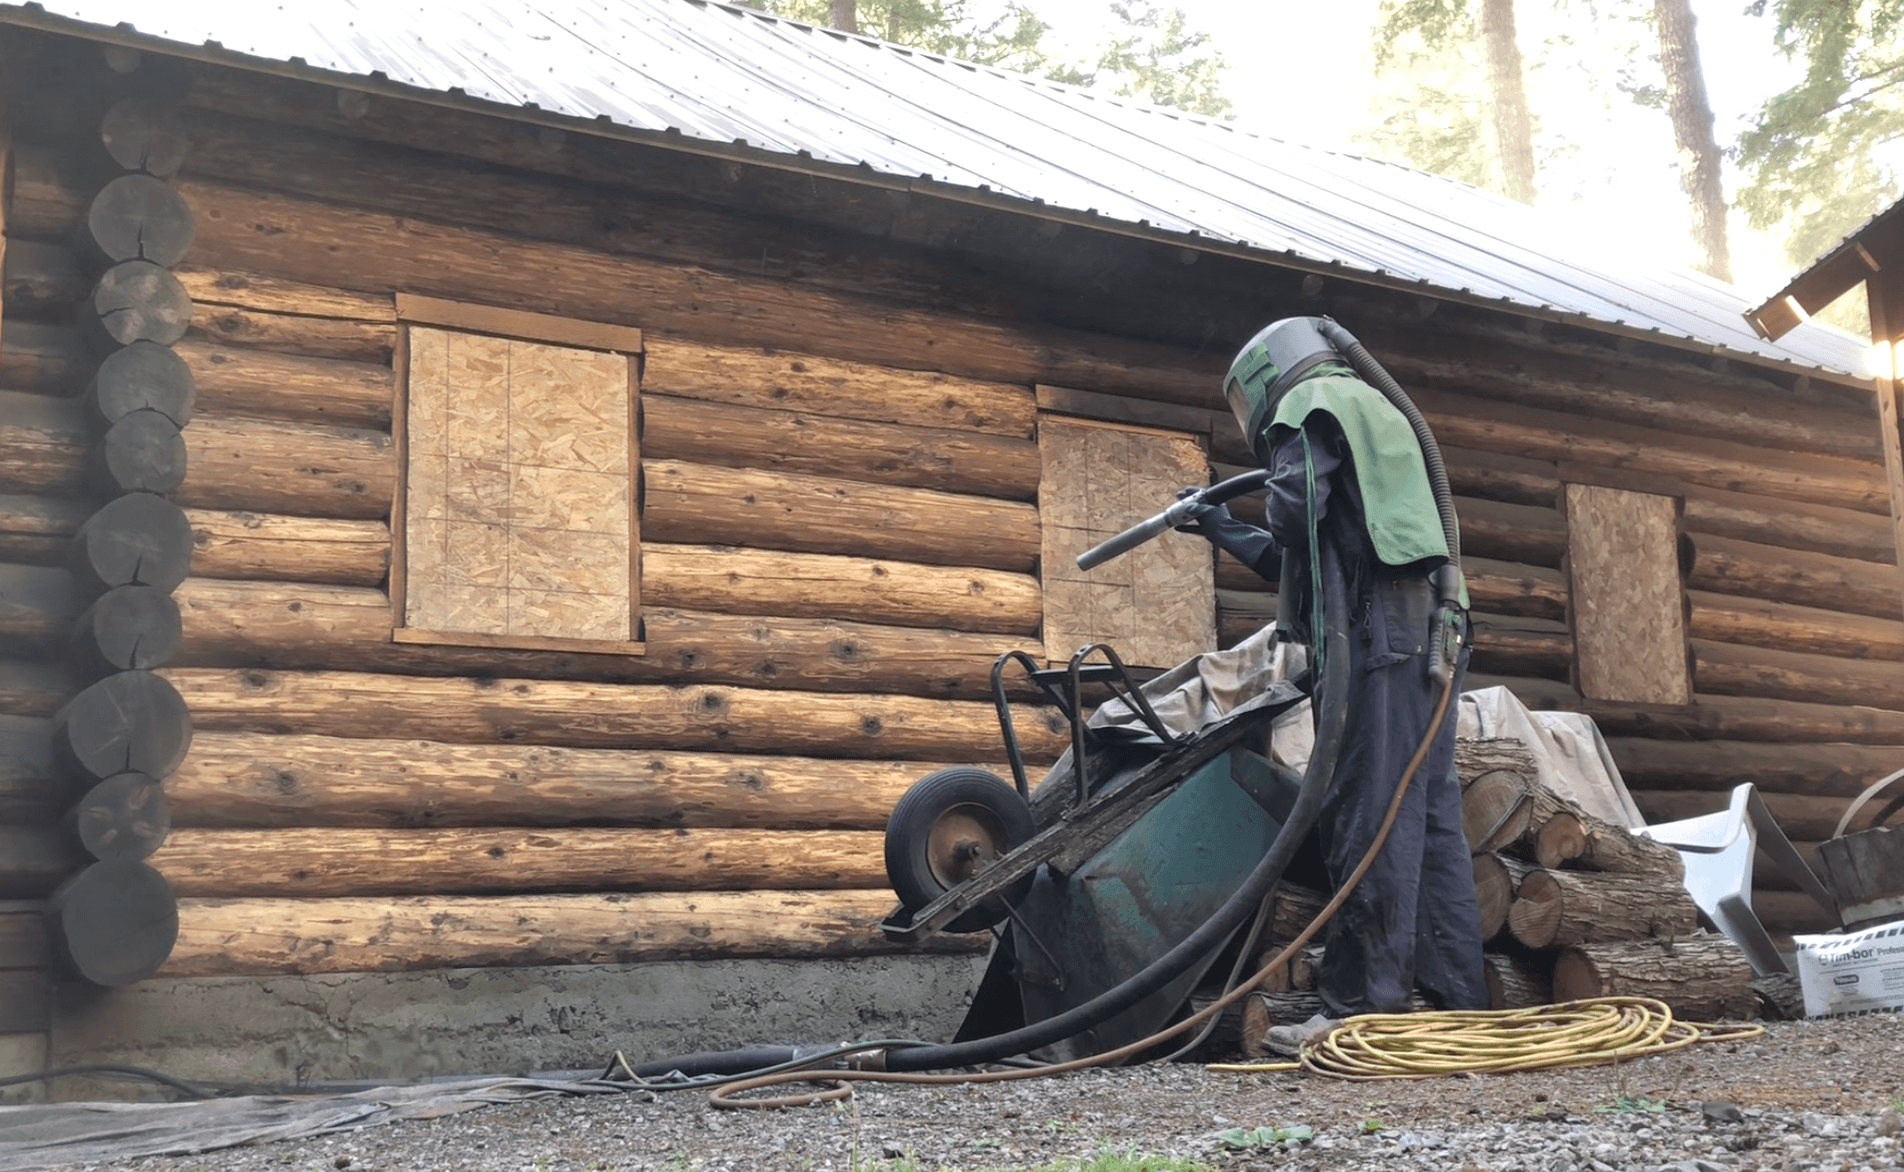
x,y
1624,479
1124,411
517,642
400,495
1883,330
635,486
415,309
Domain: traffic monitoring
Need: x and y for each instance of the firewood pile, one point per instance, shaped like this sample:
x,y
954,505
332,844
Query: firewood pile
x,y
1571,906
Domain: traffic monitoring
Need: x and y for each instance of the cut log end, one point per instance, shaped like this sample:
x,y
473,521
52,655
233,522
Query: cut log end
x,y
132,721
125,816
115,921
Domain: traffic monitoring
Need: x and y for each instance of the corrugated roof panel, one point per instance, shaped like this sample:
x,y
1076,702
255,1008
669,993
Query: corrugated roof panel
x,y
723,74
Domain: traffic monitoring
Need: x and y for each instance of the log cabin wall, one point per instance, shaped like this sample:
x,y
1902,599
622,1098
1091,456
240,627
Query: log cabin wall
x,y
840,390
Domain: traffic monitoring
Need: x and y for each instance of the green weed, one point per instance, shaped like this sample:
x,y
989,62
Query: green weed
x,y
1239,1139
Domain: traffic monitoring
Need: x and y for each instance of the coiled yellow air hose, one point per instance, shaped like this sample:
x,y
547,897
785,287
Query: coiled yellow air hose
x,y
1596,1030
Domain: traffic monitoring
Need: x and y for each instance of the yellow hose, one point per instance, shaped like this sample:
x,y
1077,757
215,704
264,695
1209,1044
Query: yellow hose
x,y
1425,1045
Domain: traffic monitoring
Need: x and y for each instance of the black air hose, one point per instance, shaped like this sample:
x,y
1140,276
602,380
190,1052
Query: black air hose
x,y
1242,903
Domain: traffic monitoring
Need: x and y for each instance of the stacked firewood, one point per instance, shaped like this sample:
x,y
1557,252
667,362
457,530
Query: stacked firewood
x,y
1574,906
1571,906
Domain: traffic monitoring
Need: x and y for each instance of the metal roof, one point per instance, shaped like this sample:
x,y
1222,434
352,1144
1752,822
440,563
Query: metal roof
x,y
724,74
1828,278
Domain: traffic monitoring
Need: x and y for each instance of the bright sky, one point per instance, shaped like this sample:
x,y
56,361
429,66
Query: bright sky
x,y
1302,71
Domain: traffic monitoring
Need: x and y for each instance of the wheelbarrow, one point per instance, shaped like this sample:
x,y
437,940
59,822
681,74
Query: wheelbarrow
x,y
1131,842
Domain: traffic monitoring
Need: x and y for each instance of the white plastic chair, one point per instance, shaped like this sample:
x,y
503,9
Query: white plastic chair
x,y
1717,850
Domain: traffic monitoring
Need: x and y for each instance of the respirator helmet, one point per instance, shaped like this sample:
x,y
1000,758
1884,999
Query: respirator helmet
x,y
1275,360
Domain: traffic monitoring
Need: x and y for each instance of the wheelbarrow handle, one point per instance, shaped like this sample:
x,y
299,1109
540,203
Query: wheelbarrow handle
x,y
1857,803
1181,510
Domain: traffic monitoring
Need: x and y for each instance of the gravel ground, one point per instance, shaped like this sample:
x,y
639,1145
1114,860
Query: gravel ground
x,y
1808,1097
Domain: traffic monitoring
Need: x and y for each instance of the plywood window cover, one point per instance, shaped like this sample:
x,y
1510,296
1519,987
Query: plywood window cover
x,y
417,310
1164,636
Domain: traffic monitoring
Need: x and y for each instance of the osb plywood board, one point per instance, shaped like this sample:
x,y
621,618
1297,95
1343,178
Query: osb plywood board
x,y
1628,600
1155,605
517,499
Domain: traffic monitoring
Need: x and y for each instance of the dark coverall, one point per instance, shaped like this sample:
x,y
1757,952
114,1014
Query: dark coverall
x,y
1413,919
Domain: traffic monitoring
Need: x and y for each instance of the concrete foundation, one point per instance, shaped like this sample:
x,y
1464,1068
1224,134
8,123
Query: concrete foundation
x,y
275,1032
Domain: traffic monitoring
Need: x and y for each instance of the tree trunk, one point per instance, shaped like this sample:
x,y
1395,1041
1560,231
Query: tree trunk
x,y
370,934
1558,909
1507,92
1703,979
843,15
1692,131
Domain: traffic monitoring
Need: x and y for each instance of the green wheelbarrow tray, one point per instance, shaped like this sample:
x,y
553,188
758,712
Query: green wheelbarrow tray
x,y
1121,876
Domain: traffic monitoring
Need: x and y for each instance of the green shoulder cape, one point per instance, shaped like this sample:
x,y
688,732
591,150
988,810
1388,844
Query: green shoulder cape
x,y
1402,520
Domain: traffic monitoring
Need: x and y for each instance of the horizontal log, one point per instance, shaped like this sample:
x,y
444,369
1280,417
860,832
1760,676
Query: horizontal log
x,y
44,444
1844,533
1469,422
41,279
264,936
751,436
35,859
238,380
327,244
492,861
275,295
1726,670
29,791
1823,770
1701,979
290,333
1509,532
1521,646
35,530
482,711
1809,817
1603,391
1497,476
254,781
823,514
1725,565
825,386
43,359
271,624
277,548
1518,980
806,585
1513,589
34,687
1559,909
1785,626
1787,912
37,604
299,469
1712,717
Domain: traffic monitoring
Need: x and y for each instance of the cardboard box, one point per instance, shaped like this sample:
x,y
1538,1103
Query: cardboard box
x,y
1852,973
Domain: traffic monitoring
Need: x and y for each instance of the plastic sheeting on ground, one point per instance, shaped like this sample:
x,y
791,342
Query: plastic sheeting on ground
x,y
43,1135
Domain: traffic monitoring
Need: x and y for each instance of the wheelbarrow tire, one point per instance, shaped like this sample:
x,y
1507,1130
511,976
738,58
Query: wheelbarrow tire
x,y
945,829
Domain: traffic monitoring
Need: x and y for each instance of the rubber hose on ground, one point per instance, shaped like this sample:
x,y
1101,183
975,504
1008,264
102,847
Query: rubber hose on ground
x,y
1242,903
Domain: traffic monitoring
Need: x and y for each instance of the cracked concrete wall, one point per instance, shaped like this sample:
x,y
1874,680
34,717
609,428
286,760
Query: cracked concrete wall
x,y
389,1027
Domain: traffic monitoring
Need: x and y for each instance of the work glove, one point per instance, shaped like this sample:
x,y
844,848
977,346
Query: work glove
x,y
1246,543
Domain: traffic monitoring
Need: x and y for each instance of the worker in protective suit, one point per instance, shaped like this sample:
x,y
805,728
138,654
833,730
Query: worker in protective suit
x,y
1348,481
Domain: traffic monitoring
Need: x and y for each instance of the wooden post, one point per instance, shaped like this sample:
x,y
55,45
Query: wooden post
x,y
1884,331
